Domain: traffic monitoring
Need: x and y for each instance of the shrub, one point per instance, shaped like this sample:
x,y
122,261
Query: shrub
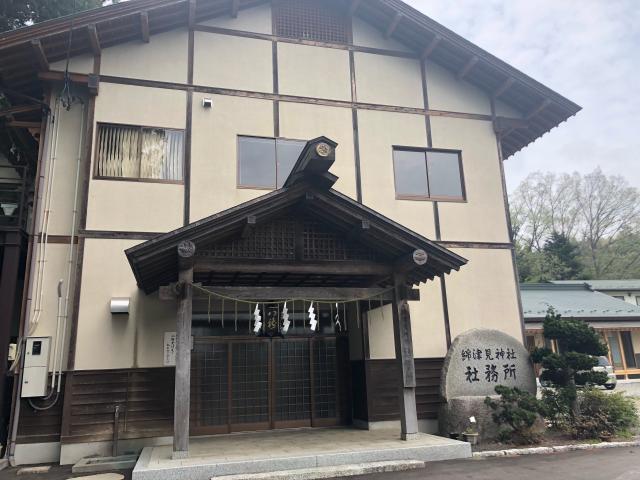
x,y
518,410
603,415
578,345
557,406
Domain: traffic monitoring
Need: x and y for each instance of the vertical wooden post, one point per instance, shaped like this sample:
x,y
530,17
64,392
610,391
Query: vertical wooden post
x,y
182,396
404,358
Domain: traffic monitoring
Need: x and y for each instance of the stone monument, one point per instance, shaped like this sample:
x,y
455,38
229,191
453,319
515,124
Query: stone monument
x,y
477,361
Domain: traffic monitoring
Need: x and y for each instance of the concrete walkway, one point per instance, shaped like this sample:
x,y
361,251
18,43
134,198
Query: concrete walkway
x,y
291,449
608,464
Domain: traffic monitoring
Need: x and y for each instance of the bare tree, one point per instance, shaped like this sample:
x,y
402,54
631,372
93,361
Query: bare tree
x,y
608,206
599,213
530,213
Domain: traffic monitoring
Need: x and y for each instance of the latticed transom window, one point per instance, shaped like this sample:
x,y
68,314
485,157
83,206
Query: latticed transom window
x,y
318,20
132,152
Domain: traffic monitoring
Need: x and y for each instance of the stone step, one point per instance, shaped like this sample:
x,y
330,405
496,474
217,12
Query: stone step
x,y
337,471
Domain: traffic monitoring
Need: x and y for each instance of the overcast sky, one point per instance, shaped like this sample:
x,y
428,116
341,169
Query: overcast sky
x,y
586,50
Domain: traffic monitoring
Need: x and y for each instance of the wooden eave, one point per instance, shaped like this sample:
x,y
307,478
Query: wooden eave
x,y
154,262
122,22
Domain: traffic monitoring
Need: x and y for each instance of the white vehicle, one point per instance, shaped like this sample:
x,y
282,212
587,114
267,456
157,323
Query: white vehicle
x,y
605,366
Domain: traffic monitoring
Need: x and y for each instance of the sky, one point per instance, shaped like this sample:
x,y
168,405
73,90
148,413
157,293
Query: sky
x,y
586,50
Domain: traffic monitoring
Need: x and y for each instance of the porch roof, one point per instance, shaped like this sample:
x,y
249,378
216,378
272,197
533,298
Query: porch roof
x,y
307,192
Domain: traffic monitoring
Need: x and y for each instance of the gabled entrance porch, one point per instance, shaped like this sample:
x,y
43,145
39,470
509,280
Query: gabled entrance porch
x,y
304,249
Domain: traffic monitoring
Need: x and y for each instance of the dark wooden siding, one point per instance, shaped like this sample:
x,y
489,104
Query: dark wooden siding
x,y
383,382
145,397
40,426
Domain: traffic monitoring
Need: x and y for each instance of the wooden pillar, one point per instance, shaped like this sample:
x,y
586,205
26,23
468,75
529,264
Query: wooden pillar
x,y
404,358
182,396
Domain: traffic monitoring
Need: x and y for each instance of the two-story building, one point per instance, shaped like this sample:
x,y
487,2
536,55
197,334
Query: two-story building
x,y
180,219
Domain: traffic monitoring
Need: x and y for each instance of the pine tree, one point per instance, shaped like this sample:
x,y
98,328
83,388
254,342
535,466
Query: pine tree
x,y
578,346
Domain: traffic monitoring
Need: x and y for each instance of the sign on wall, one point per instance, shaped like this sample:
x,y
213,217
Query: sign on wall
x,y
169,349
169,353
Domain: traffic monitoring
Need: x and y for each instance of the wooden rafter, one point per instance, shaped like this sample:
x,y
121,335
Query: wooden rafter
x,y
546,102
431,47
21,124
40,55
467,67
9,112
235,7
393,25
144,27
504,87
94,39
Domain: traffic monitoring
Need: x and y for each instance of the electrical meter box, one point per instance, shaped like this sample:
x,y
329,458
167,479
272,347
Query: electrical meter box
x,y
36,367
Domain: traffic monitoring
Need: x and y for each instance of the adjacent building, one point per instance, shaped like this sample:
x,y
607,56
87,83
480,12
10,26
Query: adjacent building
x,y
616,320
214,169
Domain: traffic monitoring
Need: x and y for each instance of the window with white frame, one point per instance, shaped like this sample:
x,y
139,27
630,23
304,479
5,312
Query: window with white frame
x,y
130,152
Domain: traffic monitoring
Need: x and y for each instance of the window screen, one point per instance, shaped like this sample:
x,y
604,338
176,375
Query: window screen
x,y
428,174
444,174
266,162
410,173
323,21
125,151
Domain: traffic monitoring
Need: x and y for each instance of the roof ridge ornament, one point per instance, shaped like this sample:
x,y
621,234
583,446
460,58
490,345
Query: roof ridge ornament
x,y
313,164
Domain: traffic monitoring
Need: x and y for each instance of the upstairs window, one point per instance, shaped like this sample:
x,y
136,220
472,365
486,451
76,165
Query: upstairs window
x,y
321,21
266,162
428,174
139,153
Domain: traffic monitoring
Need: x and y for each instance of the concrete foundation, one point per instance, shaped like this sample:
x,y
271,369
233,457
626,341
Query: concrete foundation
x,y
271,451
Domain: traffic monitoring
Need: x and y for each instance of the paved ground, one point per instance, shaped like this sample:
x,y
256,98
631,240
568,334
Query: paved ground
x,y
604,464
56,473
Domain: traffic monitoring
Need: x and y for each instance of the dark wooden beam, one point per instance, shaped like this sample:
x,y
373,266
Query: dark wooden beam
x,y
191,14
538,109
20,124
311,293
393,25
467,67
206,264
426,53
59,76
354,6
504,87
9,112
40,55
235,6
144,27
249,227
94,39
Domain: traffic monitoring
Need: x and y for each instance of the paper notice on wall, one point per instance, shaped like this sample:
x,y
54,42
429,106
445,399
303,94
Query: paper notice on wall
x,y
169,349
170,342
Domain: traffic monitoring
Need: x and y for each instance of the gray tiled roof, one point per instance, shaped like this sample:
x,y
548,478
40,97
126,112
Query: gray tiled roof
x,y
575,300
604,285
